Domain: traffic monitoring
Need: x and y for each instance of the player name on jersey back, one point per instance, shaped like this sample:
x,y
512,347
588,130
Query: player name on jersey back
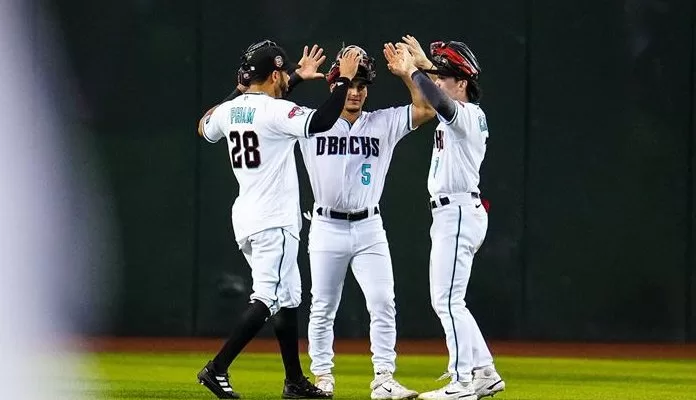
x,y
242,115
261,132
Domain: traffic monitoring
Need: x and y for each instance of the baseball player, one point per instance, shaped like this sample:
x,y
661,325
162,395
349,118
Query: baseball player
x,y
347,166
261,130
459,219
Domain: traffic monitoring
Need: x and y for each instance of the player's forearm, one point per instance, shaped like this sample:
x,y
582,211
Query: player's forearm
x,y
421,111
442,104
238,91
326,115
416,97
430,69
201,122
295,80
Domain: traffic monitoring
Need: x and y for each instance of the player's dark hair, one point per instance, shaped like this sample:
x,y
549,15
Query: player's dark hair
x,y
473,91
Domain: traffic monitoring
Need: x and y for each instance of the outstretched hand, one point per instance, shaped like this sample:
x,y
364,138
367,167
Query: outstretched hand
x,y
399,60
310,62
420,59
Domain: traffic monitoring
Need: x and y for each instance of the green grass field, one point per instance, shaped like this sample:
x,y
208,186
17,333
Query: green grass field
x,y
139,376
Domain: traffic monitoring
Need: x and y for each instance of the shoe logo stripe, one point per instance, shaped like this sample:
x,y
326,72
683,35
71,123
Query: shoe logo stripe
x,y
491,387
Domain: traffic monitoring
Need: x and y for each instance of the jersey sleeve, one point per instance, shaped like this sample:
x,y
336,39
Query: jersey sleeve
x,y
464,115
400,122
212,126
289,119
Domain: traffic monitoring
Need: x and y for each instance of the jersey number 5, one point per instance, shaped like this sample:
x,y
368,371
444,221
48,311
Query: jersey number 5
x,y
366,176
250,142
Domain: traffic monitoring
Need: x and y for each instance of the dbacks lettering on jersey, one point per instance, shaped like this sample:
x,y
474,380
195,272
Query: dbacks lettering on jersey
x,y
334,145
439,140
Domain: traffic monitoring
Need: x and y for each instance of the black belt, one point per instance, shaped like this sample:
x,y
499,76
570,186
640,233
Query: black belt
x,y
444,200
350,216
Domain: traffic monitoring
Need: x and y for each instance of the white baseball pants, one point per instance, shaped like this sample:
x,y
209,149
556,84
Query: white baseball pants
x,y
333,245
272,256
457,232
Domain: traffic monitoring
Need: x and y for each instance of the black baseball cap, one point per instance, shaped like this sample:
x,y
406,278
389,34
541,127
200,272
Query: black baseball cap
x,y
267,59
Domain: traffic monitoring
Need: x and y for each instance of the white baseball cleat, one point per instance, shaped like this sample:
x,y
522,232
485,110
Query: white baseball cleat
x,y
385,387
487,382
326,383
452,391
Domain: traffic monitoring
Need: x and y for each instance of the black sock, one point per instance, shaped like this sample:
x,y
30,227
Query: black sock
x,y
285,326
250,323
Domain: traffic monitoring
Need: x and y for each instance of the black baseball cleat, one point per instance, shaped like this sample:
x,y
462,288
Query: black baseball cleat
x,y
216,382
303,389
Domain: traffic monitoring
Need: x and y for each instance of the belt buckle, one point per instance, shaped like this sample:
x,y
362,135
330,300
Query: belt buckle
x,y
358,215
339,215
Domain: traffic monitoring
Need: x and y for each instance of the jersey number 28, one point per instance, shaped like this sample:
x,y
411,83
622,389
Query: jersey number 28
x,y
249,141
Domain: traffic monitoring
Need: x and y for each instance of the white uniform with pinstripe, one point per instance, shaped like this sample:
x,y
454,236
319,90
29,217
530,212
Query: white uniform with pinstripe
x,y
347,168
261,132
458,230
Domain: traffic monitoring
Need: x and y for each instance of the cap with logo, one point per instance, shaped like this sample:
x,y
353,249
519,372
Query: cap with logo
x,y
262,62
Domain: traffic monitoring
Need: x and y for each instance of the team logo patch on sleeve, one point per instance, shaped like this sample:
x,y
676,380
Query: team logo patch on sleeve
x,y
483,125
297,110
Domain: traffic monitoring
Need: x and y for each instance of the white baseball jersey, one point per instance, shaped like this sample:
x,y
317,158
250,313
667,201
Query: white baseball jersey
x,y
458,151
348,164
261,132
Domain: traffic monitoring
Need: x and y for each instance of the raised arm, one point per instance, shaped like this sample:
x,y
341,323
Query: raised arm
x,y
327,114
441,102
404,65
298,122
400,62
